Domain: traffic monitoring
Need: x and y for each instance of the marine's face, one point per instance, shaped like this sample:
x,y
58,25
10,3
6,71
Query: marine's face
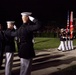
x,y
10,25
25,19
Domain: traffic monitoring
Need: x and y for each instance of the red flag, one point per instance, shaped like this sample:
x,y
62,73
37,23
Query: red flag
x,y
71,24
67,28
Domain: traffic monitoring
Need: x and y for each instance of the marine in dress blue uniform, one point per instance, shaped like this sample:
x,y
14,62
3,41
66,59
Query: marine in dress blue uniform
x,y
65,40
62,40
71,42
25,35
68,41
10,47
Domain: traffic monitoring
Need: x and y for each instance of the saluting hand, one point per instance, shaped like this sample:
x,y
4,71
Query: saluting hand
x,y
15,27
31,18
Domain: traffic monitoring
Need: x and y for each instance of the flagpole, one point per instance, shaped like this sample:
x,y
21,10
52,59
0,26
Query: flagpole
x,y
67,44
67,28
71,29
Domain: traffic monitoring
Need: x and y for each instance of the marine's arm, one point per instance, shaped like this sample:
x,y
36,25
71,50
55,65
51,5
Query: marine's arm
x,y
35,26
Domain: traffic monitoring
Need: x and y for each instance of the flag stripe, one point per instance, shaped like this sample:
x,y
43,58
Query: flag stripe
x,y
71,24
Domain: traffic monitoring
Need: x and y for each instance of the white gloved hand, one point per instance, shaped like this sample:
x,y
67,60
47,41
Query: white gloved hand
x,y
15,27
31,18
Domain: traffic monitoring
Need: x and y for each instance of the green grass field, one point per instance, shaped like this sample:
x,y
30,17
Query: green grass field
x,y
46,43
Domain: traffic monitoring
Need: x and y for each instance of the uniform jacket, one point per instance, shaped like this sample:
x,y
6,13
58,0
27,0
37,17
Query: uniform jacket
x,y
10,45
62,37
25,34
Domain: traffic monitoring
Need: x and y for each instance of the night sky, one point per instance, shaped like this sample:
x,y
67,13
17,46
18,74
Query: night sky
x,y
44,10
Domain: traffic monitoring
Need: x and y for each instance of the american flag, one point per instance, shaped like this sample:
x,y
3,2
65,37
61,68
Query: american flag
x,y
67,28
71,24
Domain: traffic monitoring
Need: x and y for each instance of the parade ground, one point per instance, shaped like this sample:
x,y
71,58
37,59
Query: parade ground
x,y
48,62
47,27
